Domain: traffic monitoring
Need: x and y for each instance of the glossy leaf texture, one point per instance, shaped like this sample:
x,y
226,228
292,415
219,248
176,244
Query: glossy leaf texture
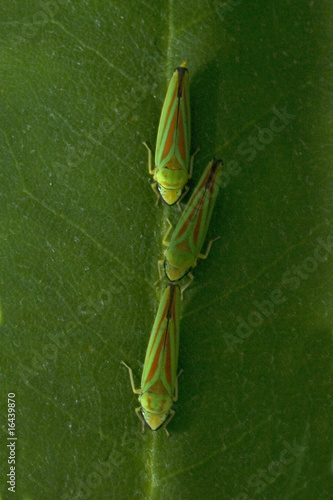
x,y
82,85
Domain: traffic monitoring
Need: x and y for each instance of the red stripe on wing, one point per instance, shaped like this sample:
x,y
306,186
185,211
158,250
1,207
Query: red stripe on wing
x,y
168,357
169,139
197,228
165,314
181,141
188,219
174,96
154,364
171,316
176,126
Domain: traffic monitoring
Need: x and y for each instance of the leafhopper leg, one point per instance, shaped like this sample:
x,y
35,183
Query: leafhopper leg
x,y
139,414
175,397
150,156
172,414
154,188
186,190
165,242
160,265
205,255
130,371
182,288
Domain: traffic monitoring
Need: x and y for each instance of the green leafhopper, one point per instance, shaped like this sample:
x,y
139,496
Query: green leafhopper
x,y
159,383
172,154
190,232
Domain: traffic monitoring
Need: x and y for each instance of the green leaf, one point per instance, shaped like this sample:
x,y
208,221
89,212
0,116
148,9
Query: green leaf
x,y
82,86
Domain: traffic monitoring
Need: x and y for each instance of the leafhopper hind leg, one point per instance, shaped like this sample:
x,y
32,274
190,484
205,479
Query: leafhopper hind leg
x,y
205,255
154,188
165,242
186,190
150,159
183,288
172,414
152,171
175,397
136,391
189,176
160,265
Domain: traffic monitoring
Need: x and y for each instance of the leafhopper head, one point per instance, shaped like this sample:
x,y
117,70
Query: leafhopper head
x,y
171,180
174,273
153,420
155,406
169,196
